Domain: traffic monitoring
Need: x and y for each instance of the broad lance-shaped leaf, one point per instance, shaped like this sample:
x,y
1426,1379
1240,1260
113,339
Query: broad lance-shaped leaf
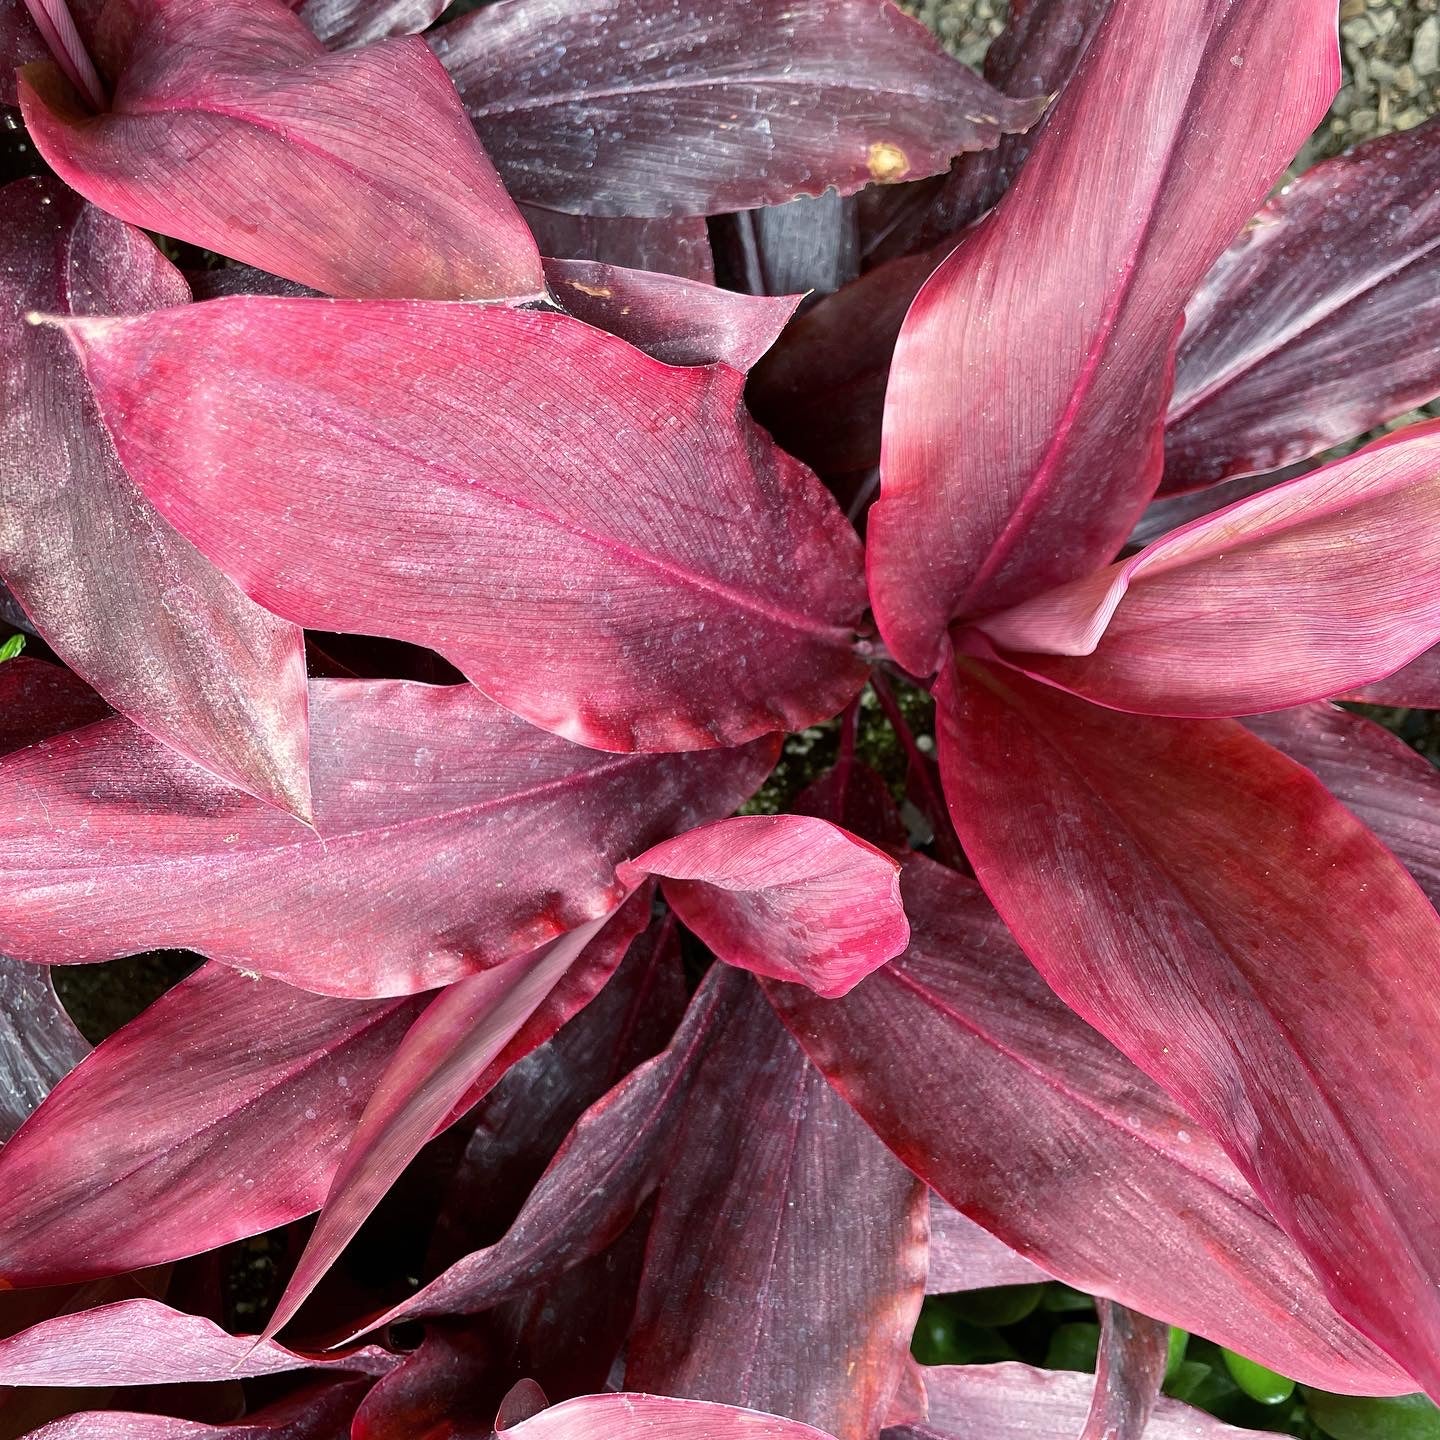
x,y
1027,393
1130,1369
1303,591
221,1111
1318,323
347,24
608,546
321,1412
142,1342
1209,906
644,107
963,1256
654,1417
788,896
452,837
1416,684
681,322
232,127
786,1260
118,595
1015,1402
458,1048
1021,1116
39,1044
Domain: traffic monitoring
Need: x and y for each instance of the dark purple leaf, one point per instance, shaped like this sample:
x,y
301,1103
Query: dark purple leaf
x,y
20,44
38,700
448,1388
810,244
117,594
786,1261
656,108
646,573
452,837
347,24
1134,1351
1318,323
671,247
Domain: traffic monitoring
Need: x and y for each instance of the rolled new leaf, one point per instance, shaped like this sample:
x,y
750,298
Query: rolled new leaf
x,y
1211,908
232,127
118,595
1027,393
789,896
1307,590
608,546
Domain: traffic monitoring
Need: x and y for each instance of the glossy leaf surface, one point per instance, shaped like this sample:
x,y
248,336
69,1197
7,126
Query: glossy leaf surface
x,y
39,1044
464,1041
1305,590
786,1259
1021,1116
401,889
1005,469
680,322
653,1417
232,127
650,573
118,595
345,24
652,108
1337,278
789,896
670,247
221,1111
963,1256
1210,907
1133,1354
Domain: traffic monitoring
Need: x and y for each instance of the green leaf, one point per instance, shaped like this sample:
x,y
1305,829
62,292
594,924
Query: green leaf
x,y
1256,1381
1073,1346
942,1337
1354,1417
999,1304
12,647
1062,1299
1179,1343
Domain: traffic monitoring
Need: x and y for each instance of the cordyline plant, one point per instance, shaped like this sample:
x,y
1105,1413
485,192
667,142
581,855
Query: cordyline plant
x,y
1160,1013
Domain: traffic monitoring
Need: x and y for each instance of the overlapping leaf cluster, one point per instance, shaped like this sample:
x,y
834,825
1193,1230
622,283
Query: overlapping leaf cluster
x,y
625,1115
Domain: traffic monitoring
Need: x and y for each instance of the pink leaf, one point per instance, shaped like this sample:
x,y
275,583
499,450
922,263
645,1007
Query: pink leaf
x,y
786,1260
670,247
39,700
348,24
654,109
142,1342
1009,476
220,1111
459,1047
788,896
681,322
1134,1351
53,20
1335,278
1306,590
1212,909
232,128
652,1417
963,1256
649,572
39,1044
445,1390
118,595
452,837
966,1064
318,1413
1014,1402
1417,684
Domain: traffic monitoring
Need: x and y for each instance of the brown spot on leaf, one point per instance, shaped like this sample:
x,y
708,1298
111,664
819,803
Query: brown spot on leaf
x,y
600,292
887,162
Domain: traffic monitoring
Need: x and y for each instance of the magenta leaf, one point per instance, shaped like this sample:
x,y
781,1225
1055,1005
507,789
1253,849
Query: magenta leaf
x,y
20,43
1416,684
657,109
786,1260
1001,478
39,1044
220,1111
669,247
347,24
118,595
1306,590
62,40
1133,1354
646,573
789,896
232,127
142,1342
1015,1402
963,1256
1163,876
455,1048
39,700
321,1412
966,1064
1317,324
653,1417
681,322
452,837
446,1388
